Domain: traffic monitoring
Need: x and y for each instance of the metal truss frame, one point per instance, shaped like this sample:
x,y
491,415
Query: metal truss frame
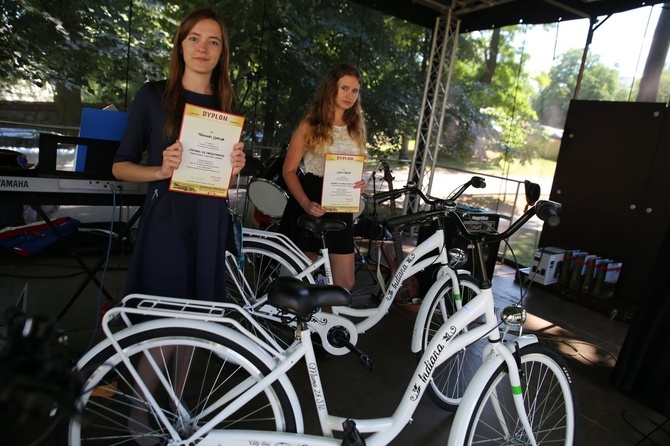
x,y
429,134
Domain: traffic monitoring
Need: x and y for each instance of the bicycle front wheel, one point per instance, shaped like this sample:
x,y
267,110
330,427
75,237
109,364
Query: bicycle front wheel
x,y
451,378
200,373
550,400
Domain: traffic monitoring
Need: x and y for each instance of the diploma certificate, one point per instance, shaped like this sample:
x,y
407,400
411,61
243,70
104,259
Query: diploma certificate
x,y
208,137
340,174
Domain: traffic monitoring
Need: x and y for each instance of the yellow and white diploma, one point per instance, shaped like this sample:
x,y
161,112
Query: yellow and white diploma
x,y
208,137
340,174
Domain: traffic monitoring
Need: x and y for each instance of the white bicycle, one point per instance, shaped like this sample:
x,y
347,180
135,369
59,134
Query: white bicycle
x,y
217,383
270,255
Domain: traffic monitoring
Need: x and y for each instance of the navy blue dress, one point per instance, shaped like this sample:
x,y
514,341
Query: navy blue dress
x,y
180,248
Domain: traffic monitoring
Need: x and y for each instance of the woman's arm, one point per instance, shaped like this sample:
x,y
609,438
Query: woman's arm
x,y
130,171
295,153
238,159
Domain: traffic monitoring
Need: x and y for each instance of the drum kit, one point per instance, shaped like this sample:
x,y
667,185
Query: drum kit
x,y
268,192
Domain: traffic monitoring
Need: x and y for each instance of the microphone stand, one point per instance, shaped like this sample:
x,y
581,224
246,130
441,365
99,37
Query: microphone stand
x,y
367,259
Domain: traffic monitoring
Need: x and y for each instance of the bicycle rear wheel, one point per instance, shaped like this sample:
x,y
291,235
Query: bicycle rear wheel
x,y
451,378
263,262
247,286
200,369
550,400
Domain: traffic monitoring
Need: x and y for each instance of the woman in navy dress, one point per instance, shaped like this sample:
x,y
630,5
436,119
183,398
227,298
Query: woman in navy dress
x,y
181,244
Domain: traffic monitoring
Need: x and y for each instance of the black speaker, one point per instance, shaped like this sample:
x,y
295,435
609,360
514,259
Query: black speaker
x,y
475,220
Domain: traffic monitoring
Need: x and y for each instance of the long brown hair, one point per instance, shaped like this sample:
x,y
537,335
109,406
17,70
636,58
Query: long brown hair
x,y
220,81
321,115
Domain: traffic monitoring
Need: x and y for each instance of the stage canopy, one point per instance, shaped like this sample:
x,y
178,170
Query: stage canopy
x,y
478,15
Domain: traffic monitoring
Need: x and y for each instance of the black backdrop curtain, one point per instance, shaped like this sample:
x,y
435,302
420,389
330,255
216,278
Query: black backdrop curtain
x,y
643,368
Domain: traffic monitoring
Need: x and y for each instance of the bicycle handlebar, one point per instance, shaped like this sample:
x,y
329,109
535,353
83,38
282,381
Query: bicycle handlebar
x,y
545,210
416,217
475,181
383,196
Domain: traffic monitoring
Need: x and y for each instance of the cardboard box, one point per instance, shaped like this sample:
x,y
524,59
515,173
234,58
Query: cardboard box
x,y
546,265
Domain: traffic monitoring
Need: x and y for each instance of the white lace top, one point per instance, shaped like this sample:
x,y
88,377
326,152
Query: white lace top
x,y
342,143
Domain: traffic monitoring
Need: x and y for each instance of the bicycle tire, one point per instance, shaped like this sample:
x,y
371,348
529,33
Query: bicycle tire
x,y
263,262
247,286
451,378
550,399
211,365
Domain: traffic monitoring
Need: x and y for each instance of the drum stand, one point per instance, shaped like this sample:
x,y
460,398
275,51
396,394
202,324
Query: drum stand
x,y
363,263
367,261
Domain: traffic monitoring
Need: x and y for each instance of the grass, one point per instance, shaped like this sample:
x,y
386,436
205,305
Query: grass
x,y
539,167
525,241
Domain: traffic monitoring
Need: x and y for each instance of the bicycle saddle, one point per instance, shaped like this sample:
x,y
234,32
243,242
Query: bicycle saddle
x,y
317,225
302,299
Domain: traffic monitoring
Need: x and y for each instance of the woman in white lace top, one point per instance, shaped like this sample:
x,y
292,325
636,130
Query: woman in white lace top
x,y
334,124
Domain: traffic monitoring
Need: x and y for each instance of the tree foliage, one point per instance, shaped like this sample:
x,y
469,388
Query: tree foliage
x,y
599,83
80,45
280,50
489,112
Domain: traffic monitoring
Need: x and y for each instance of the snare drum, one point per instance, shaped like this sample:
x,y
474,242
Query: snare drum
x,y
267,190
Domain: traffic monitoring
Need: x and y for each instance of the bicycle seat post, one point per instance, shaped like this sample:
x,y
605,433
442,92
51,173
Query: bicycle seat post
x,y
322,236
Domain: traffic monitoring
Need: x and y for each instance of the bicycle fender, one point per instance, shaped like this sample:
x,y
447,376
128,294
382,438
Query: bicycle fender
x,y
211,327
474,390
422,315
258,245
218,329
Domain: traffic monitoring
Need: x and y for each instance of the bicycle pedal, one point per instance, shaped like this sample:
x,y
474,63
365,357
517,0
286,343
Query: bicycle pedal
x,y
351,435
338,337
366,361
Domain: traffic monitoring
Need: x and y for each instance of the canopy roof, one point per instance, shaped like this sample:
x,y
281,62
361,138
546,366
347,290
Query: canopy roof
x,y
488,14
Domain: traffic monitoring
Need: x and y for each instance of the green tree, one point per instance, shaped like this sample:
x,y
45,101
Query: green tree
x,y
489,110
599,83
293,44
280,50
93,51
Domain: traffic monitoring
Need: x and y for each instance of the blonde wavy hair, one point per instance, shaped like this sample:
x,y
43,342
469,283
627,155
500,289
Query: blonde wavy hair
x,y
321,113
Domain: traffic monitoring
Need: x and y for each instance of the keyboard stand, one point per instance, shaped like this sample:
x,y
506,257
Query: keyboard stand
x,y
90,272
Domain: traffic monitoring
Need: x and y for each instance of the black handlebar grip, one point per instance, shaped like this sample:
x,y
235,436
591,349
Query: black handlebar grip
x,y
409,218
478,182
381,196
547,211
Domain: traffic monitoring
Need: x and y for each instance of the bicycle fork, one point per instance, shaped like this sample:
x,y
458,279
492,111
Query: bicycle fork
x,y
513,362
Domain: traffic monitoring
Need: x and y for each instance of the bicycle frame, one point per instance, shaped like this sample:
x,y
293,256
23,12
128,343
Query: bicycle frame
x,y
449,339
417,260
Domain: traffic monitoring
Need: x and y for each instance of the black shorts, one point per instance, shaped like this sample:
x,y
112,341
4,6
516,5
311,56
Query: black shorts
x,y
338,242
